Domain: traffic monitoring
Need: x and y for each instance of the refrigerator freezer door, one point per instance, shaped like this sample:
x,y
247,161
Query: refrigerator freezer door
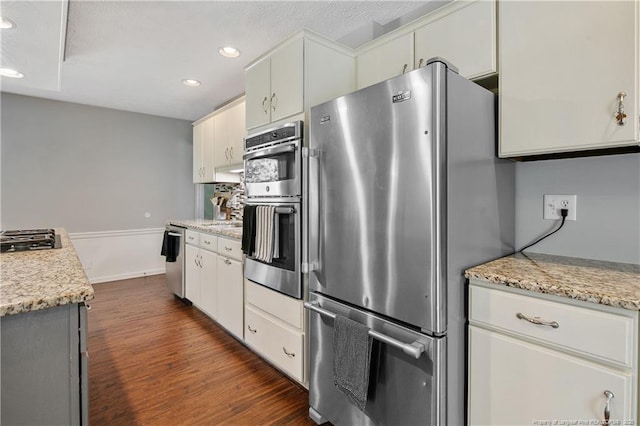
x,y
376,176
402,390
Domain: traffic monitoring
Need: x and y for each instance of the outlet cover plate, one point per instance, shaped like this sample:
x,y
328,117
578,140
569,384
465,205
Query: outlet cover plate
x,y
553,204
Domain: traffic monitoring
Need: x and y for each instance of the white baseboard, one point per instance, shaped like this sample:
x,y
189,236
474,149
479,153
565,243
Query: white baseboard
x,y
125,276
118,255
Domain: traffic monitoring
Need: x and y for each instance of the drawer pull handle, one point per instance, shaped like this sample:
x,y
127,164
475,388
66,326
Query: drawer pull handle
x,y
291,354
207,242
607,410
227,262
251,329
537,321
227,248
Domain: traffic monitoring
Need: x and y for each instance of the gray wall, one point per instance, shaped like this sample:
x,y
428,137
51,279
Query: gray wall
x,y
87,169
608,210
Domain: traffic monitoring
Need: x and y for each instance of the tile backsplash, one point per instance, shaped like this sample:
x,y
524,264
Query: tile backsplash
x,y
234,194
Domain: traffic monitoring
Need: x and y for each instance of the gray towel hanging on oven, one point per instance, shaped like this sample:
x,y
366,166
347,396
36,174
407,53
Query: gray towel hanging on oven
x,y
264,233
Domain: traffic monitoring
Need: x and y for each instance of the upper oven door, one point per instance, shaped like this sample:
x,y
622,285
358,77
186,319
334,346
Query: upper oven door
x,y
274,171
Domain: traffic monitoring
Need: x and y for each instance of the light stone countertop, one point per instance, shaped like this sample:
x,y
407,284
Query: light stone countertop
x,y
606,283
227,228
41,279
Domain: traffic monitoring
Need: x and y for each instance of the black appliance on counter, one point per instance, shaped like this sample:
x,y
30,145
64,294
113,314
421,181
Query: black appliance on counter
x,y
29,239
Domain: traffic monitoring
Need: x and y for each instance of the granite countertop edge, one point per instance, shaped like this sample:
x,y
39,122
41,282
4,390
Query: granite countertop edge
x,y
604,283
223,228
33,281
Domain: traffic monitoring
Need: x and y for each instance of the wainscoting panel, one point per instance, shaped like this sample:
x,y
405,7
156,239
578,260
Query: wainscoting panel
x,y
116,255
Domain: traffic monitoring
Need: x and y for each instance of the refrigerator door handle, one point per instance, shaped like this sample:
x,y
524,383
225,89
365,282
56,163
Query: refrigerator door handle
x,y
415,349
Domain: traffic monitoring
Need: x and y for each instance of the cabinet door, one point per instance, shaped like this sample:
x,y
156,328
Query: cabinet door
x,y
466,38
230,295
209,283
287,78
198,135
208,154
221,152
192,273
280,344
512,382
562,65
236,120
257,93
385,61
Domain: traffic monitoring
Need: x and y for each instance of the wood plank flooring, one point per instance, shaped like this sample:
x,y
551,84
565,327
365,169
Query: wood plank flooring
x,y
155,361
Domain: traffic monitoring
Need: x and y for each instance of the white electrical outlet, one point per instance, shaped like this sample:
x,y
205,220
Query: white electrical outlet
x,y
554,203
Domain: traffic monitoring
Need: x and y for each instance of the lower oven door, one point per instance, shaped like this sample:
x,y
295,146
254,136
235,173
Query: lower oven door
x,y
283,273
403,390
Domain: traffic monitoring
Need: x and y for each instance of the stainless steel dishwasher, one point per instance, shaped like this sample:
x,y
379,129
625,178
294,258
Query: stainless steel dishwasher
x,y
173,244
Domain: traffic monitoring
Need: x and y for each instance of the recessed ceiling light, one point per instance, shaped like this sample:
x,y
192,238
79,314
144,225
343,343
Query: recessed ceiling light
x,y
229,52
190,82
5,24
8,72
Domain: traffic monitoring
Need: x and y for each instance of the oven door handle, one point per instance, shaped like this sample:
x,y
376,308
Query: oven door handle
x,y
269,151
415,349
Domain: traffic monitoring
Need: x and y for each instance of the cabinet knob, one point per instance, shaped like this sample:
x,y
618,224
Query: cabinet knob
x,y
274,102
289,354
607,410
620,115
405,68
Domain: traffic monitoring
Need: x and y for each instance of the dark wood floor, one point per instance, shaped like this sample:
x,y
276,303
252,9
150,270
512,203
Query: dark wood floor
x,y
155,361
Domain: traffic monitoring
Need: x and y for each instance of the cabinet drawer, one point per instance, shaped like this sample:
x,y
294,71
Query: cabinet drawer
x,y
282,346
286,308
208,241
230,248
603,335
192,237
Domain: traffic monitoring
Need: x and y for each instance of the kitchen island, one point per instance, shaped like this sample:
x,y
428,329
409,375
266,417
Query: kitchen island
x,y
43,325
565,325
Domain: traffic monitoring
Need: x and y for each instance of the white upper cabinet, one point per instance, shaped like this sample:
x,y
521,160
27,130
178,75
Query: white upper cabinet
x,y
198,140
387,60
302,71
563,66
229,134
203,151
274,85
461,32
258,91
465,37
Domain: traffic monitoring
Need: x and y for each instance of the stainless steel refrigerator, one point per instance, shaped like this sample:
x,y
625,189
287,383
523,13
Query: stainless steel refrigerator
x,y
405,192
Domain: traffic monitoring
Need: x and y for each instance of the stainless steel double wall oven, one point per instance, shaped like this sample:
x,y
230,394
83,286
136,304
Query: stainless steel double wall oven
x,y
273,177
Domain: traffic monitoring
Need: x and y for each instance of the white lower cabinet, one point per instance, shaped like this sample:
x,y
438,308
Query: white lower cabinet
x,y
523,373
201,280
274,328
214,279
230,295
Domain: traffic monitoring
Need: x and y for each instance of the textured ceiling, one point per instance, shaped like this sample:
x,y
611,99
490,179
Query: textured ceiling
x,y
132,55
